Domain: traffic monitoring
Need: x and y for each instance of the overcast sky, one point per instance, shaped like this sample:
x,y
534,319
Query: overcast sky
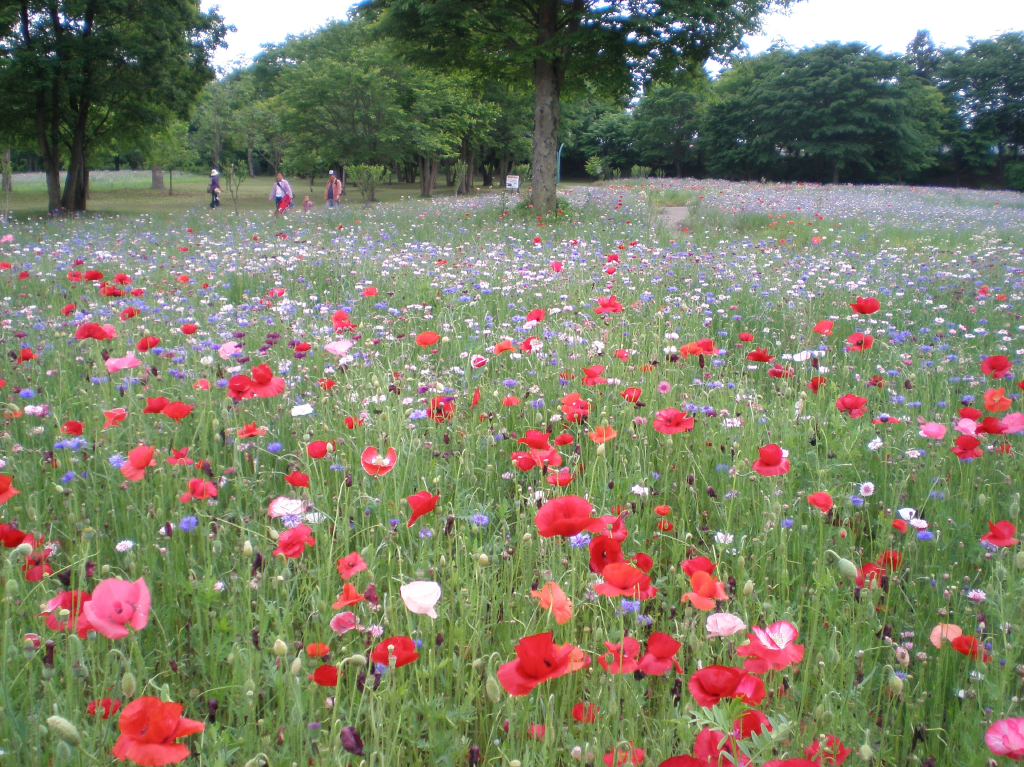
x,y
888,24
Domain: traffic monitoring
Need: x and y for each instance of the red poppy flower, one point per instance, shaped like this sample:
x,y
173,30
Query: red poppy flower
x,y
180,457
660,655
265,383
671,421
377,465
441,409
716,748
833,754
632,394
821,501
772,647
325,383
72,601
297,479
503,346
350,565
250,430
104,705
623,756
74,428
966,447
624,580
240,387
824,327
852,405
401,648
129,313
592,376
711,684
772,461
746,337
705,589
316,449
427,339
575,408
369,291
697,565
10,535
325,675
1001,534
146,343
996,366
198,490
421,503
620,657
68,310
865,305
608,305
969,646
149,728
816,383
859,342
188,328
750,723
293,542
139,459
93,330
585,712
759,355
566,516
780,372
352,423
155,404
538,659
349,596
177,410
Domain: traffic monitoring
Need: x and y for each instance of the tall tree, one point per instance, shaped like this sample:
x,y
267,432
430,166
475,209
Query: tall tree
x,y
559,43
81,71
665,126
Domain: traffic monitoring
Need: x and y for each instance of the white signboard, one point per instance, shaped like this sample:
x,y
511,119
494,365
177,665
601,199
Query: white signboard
x,y
511,182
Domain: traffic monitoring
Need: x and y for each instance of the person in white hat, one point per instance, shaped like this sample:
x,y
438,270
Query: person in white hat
x,y
214,188
335,189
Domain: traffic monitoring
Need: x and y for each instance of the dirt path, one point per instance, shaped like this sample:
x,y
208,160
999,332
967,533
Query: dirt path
x,y
675,217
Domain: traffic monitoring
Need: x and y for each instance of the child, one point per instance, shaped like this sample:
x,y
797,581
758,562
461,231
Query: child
x,y
307,204
214,189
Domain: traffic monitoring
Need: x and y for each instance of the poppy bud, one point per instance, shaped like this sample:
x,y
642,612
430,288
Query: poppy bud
x,y
865,752
748,589
895,685
846,568
211,709
479,664
350,741
64,730
483,560
982,499
576,753
247,549
128,684
12,589
474,756
280,648
493,690
21,550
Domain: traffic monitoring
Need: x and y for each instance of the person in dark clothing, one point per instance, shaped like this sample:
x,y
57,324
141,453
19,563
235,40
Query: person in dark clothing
x,y
214,188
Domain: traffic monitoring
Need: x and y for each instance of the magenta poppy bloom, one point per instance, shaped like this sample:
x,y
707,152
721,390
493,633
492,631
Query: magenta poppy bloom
x,y
1006,738
116,604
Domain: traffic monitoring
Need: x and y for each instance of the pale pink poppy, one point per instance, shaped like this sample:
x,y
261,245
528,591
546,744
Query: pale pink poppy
x,y
931,429
966,426
724,625
123,363
421,596
286,507
342,623
116,604
111,331
1013,423
338,347
226,350
1006,738
947,631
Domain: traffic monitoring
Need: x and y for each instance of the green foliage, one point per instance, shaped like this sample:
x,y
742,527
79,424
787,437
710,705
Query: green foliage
x,y
1015,176
367,178
666,123
640,171
595,166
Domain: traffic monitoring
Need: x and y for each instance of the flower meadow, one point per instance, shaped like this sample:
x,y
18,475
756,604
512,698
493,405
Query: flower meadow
x,y
446,483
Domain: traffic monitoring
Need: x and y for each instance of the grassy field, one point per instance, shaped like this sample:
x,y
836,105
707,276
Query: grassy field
x,y
743,492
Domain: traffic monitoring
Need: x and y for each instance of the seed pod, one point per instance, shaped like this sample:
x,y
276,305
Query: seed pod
x,y
64,730
493,690
895,685
865,752
280,648
128,684
748,588
846,568
247,549
296,668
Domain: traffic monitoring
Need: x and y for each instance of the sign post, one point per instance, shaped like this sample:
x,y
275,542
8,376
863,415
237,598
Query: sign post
x,y
512,182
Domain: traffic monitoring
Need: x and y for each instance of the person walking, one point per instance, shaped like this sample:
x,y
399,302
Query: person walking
x,y
334,191
281,194
214,188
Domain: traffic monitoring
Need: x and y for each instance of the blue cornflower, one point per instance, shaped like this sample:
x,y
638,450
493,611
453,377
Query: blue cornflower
x,y
116,460
426,532
856,501
479,519
417,415
188,523
924,535
26,394
274,447
630,605
67,477
510,382
579,541
787,523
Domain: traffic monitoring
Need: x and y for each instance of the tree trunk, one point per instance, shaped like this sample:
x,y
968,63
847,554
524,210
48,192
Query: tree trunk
x,y
7,184
835,172
449,176
170,191
548,74
157,174
679,168
468,157
49,151
252,170
428,175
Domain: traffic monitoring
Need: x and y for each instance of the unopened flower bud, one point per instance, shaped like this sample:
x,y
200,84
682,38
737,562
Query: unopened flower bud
x,y
247,549
280,648
483,560
493,690
128,684
64,730
748,588
296,668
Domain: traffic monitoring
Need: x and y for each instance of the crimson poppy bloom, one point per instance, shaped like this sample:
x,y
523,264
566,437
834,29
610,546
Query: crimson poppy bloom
x,y
71,601
377,465
746,337
180,457
293,542
592,375
660,655
188,328
350,565
772,647
780,372
92,330
566,516
316,449
149,728
325,675
833,754
155,405
970,646
401,648
852,405
631,394
716,748
620,657
865,305
859,342
997,366
352,423
349,596
538,659
816,383
585,712
250,430
104,705
772,461
177,410
74,428
759,355
820,501
441,409
421,503
198,490
1001,534
824,327
705,590
265,383
139,459
6,491
146,343
116,604
711,684
624,580
608,305
575,408
671,421
427,339
604,551
623,756
696,565
966,447
10,535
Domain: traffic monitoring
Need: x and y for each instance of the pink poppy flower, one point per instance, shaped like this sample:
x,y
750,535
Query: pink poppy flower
x,y
342,623
421,596
123,363
1006,738
1012,423
931,429
966,426
226,350
116,604
771,648
338,348
723,625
